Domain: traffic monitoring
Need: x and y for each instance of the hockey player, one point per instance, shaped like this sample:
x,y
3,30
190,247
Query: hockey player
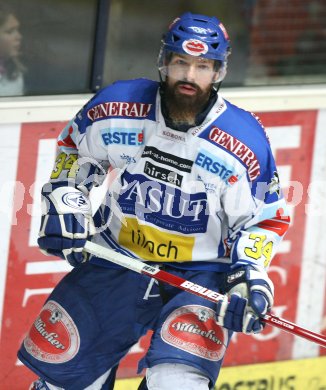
x,y
193,188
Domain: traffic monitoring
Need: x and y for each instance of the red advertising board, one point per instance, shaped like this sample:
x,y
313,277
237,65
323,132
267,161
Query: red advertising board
x,y
292,136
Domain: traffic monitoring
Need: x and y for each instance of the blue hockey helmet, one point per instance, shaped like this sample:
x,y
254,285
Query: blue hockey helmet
x,y
199,36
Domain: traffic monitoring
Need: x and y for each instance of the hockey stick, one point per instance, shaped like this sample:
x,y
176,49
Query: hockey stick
x,y
163,276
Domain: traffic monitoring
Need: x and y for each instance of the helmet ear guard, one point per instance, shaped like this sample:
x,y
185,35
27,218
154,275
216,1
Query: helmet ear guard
x,y
221,72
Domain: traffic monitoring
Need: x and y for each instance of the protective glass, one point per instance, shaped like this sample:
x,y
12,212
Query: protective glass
x,y
182,67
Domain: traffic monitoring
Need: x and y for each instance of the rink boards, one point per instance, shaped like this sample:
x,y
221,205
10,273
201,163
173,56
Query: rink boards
x,y
307,374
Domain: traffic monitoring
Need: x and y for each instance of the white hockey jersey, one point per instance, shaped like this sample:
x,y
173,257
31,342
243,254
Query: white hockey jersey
x,y
208,198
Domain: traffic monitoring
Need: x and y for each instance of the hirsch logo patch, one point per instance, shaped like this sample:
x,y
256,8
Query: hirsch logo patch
x,y
194,329
163,174
54,337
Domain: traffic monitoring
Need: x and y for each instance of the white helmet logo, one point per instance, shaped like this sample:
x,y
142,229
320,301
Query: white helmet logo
x,y
195,47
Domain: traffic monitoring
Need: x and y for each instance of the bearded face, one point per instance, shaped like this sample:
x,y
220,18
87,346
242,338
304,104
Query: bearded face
x,y
188,86
184,107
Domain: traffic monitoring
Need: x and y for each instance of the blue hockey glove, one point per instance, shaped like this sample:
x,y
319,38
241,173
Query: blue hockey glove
x,y
251,296
66,224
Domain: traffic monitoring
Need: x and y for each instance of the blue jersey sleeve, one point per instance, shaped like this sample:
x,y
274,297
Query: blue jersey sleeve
x,y
256,211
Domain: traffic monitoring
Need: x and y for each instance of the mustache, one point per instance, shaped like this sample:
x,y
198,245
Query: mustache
x,y
193,85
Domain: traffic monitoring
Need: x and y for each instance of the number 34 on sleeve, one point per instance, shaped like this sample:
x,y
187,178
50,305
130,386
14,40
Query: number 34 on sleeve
x,y
260,248
65,163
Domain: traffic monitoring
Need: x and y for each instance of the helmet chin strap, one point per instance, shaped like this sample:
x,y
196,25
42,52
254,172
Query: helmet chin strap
x,y
161,78
217,86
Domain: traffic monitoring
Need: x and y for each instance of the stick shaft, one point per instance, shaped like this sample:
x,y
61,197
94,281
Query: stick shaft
x,y
163,276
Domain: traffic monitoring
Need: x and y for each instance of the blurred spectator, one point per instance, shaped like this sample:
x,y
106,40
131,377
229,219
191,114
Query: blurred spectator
x,y
11,68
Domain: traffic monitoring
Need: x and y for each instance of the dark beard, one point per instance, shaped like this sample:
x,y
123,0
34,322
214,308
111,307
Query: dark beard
x,y
183,109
